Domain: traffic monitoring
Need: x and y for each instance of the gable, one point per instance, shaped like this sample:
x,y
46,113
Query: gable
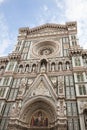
x,y
41,86
45,30
41,90
48,28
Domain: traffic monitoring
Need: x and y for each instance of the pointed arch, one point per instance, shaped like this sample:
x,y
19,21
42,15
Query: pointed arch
x,y
42,81
39,103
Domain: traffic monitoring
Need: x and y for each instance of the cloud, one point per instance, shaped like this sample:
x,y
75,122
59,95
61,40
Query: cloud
x,y
45,7
59,4
65,11
1,1
49,15
76,10
60,12
5,37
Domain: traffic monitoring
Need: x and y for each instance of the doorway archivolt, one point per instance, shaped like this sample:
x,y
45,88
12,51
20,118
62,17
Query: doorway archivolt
x,y
39,112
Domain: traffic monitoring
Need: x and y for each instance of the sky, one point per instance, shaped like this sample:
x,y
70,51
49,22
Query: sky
x,y
31,13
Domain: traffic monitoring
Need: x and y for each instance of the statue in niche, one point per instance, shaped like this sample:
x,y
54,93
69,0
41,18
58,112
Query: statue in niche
x,y
39,119
33,68
20,69
67,66
60,66
43,67
27,68
53,67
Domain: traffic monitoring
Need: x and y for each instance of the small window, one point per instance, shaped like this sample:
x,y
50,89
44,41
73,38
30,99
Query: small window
x,y
2,91
11,66
65,39
66,53
73,37
82,90
6,80
74,43
80,77
77,61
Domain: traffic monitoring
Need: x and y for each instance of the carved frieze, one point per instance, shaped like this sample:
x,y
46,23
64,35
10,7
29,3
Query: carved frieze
x,y
15,109
41,90
22,88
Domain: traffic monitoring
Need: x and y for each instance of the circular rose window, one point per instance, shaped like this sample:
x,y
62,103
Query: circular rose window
x,y
46,48
46,51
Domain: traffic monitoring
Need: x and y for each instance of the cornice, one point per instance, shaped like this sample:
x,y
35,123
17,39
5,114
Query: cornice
x,y
67,26
4,59
75,51
84,53
14,56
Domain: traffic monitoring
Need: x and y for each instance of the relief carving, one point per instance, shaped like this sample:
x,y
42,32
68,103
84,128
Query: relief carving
x,y
83,106
22,88
15,109
61,108
30,81
61,86
41,90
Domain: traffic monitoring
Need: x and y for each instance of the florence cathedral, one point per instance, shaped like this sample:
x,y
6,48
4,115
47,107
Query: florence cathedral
x,y
43,82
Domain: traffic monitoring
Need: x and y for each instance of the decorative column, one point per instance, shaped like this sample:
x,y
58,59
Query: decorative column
x,y
62,119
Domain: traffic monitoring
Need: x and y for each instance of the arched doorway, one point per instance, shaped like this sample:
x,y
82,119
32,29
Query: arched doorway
x,y
39,114
85,117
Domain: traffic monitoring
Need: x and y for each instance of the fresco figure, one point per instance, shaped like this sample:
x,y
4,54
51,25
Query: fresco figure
x,y
39,119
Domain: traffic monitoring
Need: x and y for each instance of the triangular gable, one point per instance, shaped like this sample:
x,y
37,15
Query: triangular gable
x,y
41,89
45,30
48,25
41,86
52,26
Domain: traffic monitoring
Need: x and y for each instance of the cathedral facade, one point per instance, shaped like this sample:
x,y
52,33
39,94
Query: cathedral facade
x,y
43,82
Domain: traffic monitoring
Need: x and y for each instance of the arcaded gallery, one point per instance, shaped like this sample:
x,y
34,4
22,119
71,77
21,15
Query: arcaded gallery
x,y
43,81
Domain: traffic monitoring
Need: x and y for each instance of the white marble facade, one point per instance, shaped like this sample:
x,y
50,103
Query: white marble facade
x,y
43,82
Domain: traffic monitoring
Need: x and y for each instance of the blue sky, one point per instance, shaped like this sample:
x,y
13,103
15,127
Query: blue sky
x,y
22,13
